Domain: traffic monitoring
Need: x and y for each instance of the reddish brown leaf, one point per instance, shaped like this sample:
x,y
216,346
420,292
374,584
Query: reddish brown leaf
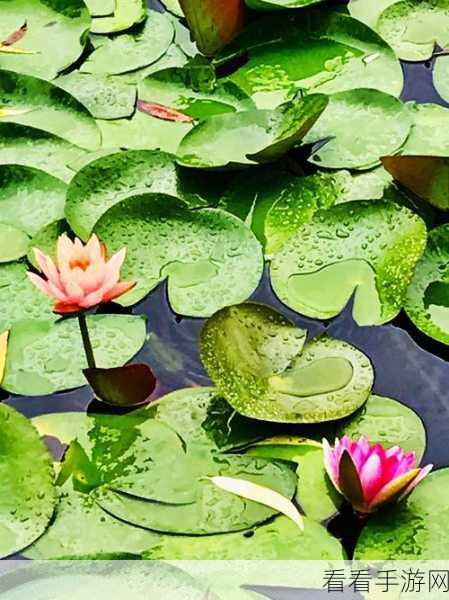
x,y
426,176
214,23
130,385
162,112
16,36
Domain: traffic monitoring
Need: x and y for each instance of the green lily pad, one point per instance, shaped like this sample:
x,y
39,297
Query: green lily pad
x,y
279,540
194,92
104,97
55,36
414,27
316,51
315,493
380,124
27,475
19,298
13,243
213,511
279,4
370,249
29,147
126,14
428,136
441,77
174,57
387,422
368,12
81,527
37,103
64,426
128,52
259,363
414,530
209,257
143,132
250,136
427,300
100,8
30,199
44,357
106,181
202,418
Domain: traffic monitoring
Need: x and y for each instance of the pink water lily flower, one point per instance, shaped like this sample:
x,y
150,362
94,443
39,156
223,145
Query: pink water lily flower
x,y
82,276
370,476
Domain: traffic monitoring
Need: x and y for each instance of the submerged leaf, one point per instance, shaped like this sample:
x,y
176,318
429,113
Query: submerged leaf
x,y
130,385
263,495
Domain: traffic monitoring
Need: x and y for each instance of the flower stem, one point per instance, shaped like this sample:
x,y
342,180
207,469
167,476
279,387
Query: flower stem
x,y
86,341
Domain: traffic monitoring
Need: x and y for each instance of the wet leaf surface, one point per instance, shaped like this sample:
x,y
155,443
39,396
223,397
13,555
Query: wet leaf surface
x,y
126,14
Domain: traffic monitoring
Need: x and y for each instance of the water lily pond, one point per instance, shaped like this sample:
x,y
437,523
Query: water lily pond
x,y
224,281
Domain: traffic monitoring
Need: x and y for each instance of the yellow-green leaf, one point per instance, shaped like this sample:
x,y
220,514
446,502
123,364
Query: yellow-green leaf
x,y
3,349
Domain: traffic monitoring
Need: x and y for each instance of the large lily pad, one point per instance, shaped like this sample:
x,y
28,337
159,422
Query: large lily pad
x,y
250,136
108,180
80,527
26,475
362,248
194,91
213,511
55,36
427,300
209,257
13,243
413,27
126,14
202,418
380,124
44,357
37,103
174,57
29,147
387,422
259,363
104,97
131,51
279,540
429,134
416,530
317,51
315,493
30,199
19,299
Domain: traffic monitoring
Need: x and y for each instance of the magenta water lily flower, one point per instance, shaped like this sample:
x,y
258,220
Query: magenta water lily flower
x,y
82,276
370,476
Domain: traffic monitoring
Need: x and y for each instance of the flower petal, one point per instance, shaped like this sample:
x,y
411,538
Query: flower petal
x,y
349,480
394,489
422,473
118,290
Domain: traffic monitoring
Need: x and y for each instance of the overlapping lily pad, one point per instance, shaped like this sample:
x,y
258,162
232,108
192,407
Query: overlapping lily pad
x,y
429,134
259,363
104,182
29,198
104,97
37,103
315,493
252,136
209,257
362,248
100,8
279,540
56,33
13,243
414,27
415,530
441,76
19,299
203,418
318,51
131,51
29,147
27,475
387,422
126,14
194,91
380,124
213,511
54,357
427,300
